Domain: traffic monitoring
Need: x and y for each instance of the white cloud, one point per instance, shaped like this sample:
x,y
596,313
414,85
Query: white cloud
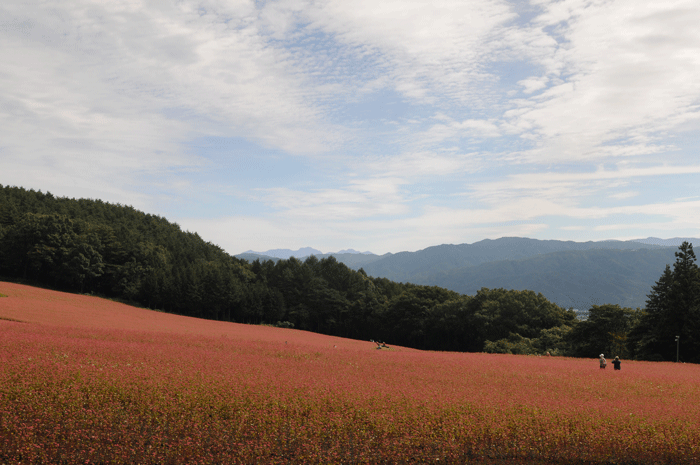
x,y
625,195
112,89
500,126
241,233
533,84
427,50
454,131
417,166
360,199
413,230
629,73
570,187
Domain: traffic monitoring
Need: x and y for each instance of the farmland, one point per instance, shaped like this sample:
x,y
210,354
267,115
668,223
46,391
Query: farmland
x,y
89,380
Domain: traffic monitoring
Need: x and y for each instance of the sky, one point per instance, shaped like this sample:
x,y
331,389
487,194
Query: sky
x,y
380,126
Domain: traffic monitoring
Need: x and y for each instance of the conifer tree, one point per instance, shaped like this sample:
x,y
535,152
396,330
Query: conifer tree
x,y
673,309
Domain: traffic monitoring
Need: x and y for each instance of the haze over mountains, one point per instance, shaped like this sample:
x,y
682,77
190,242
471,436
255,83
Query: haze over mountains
x,y
303,252
571,274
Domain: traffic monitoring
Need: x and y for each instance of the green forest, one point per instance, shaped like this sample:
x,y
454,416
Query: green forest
x,y
116,251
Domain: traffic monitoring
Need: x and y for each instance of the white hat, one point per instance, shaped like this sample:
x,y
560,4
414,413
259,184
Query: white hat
x,y
601,355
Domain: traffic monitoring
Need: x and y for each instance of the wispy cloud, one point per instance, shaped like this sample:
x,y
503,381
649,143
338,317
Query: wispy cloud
x,y
388,125
627,75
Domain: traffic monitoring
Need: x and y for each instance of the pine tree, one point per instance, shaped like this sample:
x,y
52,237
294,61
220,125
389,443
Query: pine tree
x,y
673,309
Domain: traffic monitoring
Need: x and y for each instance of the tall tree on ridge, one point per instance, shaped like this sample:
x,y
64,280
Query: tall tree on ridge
x,y
673,309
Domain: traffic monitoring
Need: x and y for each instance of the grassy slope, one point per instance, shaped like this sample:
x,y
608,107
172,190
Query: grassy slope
x,y
89,380
34,305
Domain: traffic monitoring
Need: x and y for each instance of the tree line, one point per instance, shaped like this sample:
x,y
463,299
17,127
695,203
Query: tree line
x,y
90,246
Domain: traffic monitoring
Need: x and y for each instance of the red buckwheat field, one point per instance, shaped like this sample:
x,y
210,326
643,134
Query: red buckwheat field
x,y
88,380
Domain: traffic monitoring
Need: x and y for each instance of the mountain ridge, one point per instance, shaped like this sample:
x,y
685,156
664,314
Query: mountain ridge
x,y
569,273
286,253
301,253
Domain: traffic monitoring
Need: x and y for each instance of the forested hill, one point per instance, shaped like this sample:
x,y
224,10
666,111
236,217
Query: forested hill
x,y
90,246
577,279
117,251
412,266
570,274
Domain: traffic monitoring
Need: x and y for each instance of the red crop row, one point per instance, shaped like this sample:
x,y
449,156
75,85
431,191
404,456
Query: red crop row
x,y
188,391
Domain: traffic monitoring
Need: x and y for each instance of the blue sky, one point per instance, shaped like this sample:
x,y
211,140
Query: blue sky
x,y
381,126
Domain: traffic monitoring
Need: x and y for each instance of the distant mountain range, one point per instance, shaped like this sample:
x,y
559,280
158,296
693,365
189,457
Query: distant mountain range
x,y
301,253
571,274
675,242
284,253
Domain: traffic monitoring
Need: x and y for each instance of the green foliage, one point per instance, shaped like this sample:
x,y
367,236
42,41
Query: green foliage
x,y
513,344
553,340
119,252
604,331
53,248
575,278
284,324
673,309
498,313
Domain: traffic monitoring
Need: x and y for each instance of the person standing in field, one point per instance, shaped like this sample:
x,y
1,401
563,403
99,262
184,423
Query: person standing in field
x,y
616,363
603,362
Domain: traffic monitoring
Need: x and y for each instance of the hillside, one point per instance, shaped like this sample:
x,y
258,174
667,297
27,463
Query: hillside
x,y
409,266
88,246
88,380
575,279
33,305
352,260
571,274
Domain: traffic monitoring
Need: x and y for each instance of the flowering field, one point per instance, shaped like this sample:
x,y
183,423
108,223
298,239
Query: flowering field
x,y
92,381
